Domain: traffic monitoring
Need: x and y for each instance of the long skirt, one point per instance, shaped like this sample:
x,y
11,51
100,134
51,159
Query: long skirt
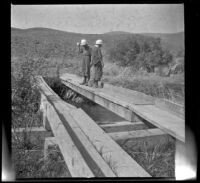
x,y
86,66
96,72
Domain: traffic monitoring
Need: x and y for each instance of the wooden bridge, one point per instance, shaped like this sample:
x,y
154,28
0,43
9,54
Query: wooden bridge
x,y
89,149
134,106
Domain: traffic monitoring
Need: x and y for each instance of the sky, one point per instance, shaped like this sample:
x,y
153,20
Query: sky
x,y
97,19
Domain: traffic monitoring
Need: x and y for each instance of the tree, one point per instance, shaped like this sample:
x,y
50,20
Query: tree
x,y
137,52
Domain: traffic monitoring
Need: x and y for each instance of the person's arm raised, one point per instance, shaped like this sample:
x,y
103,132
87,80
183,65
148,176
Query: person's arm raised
x,y
80,50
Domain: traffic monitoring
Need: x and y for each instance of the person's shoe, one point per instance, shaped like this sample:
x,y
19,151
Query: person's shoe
x,y
90,83
84,81
87,80
96,84
101,84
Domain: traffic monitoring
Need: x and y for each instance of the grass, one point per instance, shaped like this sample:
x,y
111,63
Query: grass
x,y
156,156
171,88
27,147
29,160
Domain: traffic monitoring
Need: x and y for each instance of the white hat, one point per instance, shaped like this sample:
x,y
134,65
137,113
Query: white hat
x,y
99,41
83,42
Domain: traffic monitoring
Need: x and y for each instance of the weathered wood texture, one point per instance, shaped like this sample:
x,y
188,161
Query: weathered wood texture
x,y
123,126
87,151
171,124
136,134
80,130
104,100
171,107
29,129
50,141
72,156
124,105
122,164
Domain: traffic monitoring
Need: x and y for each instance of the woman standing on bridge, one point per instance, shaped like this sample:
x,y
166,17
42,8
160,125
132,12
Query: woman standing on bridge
x,y
85,49
97,64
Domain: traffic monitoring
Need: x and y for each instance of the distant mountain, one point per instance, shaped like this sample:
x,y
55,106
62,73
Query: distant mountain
x,y
174,41
117,33
171,41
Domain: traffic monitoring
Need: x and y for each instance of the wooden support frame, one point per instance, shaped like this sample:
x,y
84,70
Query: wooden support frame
x,y
151,112
73,158
106,102
124,166
123,126
50,141
127,167
136,134
81,143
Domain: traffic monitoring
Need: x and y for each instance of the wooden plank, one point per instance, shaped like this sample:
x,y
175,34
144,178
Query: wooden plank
x,y
112,104
171,107
73,158
136,134
50,141
95,161
122,123
89,153
119,93
167,122
119,127
128,95
124,166
29,129
164,120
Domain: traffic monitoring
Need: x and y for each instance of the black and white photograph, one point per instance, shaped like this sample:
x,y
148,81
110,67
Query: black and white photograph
x,y
98,90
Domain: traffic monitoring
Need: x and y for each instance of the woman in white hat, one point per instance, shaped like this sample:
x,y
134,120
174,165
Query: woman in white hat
x,y
97,64
85,49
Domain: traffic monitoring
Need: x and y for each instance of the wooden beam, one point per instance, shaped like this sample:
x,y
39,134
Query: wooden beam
x,y
33,132
136,134
94,161
167,122
109,150
50,141
122,164
29,129
90,154
131,96
123,126
171,107
43,111
72,156
120,123
105,101
130,110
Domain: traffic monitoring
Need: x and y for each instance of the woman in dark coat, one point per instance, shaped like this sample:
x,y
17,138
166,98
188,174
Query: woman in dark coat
x,y
85,49
97,64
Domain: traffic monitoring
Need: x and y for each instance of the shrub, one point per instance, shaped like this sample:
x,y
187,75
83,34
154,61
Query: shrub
x,y
139,52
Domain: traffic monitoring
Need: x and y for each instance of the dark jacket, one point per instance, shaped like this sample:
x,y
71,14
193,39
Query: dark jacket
x,y
96,63
96,55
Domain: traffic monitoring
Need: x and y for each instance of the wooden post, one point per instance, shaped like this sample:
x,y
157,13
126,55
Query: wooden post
x,y
50,141
43,109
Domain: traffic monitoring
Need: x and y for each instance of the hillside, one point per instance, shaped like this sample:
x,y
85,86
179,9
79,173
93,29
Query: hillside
x,y
172,42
